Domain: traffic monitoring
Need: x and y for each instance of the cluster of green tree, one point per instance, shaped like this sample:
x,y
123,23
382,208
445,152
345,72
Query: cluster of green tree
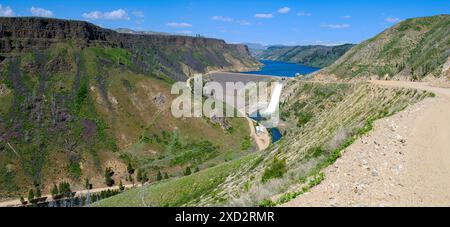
x,y
33,196
130,171
142,176
188,171
160,176
58,192
62,191
109,173
108,193
276,169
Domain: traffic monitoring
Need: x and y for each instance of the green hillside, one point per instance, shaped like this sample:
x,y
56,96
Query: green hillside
x,y
320,121
71,107
414,49
315,56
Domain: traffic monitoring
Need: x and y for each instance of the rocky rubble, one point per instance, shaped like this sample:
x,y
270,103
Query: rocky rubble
x,y
4,90
222,121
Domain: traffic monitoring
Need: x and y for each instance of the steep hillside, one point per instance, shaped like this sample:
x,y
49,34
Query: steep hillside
x,y
175,56
320,120
76,99
315,56
414,49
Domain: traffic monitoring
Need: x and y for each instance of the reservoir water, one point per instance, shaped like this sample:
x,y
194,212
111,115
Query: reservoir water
x,y
284,69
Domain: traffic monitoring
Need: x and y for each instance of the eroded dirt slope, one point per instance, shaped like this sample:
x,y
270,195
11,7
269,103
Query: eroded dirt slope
x,y
404,161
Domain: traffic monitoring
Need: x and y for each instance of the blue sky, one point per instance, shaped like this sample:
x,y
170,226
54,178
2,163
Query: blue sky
x,y
287,22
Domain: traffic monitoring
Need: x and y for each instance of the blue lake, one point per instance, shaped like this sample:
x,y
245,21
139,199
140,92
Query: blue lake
x,y
284,69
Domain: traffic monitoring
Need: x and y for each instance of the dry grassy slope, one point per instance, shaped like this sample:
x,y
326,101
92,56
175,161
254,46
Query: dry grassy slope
x,y
320,119
344,107
339,111
71,112
404,161
414,49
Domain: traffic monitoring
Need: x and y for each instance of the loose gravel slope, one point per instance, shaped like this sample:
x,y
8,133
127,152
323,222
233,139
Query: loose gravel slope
x,y
404,161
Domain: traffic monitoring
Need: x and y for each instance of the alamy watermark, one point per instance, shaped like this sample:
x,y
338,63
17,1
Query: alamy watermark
x,y
200,98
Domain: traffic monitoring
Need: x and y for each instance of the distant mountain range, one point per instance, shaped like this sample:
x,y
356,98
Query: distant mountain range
x,y
130,31
314,55
256,48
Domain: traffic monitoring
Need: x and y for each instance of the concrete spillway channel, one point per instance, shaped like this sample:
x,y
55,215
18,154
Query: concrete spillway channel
x,y
274,101
267,110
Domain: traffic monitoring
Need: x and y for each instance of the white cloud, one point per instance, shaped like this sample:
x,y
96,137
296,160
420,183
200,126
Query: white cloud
x,y
139,14
264,15
118,14
40,12
284,10
222,18
347,17
229,19
392,19
6,11
179,25
335,26
94,15
244,23
303,14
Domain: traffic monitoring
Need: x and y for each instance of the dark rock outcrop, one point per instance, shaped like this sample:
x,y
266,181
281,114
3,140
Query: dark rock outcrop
x,y
18,34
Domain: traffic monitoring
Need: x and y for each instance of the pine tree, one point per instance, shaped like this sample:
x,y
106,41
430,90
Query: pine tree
x,y
108,177
38,193
121,187
187,172
87,184
54,191
30,195
130,169
142,176
131,179
139,175
22,200
64,189
166,176
159,176
197,169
